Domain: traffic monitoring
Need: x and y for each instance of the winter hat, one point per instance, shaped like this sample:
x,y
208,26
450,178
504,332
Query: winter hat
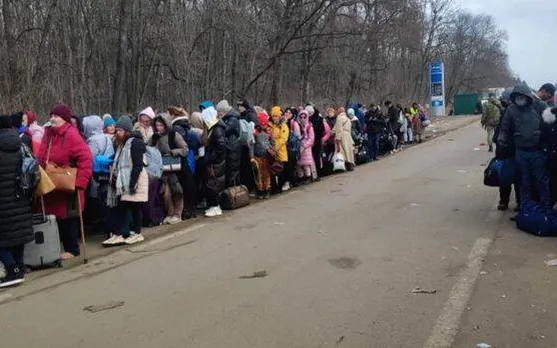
x,y
223,106
276,111
351,113
310,109
205,104
549,88
63,111
244,103
17,119
209,116
125,123
148,112
262,119
109,121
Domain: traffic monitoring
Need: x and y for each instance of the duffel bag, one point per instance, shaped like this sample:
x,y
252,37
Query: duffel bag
x,y
491,173
235,197
537,220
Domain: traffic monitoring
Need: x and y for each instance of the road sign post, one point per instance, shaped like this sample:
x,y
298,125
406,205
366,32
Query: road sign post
x,y
437,88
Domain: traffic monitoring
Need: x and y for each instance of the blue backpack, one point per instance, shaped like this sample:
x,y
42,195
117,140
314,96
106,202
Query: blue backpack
x,y
536,220
294,143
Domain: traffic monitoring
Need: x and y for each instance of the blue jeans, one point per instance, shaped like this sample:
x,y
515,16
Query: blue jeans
x,y
12,256
373,145
533,171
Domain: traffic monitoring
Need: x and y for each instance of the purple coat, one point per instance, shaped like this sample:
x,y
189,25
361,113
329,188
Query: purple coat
x,y
306,156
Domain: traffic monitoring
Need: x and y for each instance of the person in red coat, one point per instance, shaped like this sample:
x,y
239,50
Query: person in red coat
x,y
67,148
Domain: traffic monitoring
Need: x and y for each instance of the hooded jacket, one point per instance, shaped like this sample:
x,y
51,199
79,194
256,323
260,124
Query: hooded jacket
x,y
98,142
16,227
358,112
233,145
249,113
522,126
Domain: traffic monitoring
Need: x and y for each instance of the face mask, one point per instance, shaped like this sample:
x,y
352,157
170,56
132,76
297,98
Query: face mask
x,y
521,101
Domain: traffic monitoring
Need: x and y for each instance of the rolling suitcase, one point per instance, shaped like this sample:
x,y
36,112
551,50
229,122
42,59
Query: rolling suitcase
x,y
153,209
45,250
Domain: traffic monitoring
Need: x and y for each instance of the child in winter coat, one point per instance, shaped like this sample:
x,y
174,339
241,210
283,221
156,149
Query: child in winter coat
x,y
305,162
259,156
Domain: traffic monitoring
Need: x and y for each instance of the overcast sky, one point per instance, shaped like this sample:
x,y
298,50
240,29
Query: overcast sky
x,y
532,29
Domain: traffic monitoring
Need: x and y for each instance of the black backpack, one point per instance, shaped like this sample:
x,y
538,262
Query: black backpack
x,y
30,173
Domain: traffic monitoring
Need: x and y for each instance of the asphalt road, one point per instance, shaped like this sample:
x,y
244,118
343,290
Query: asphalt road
x,y
341,257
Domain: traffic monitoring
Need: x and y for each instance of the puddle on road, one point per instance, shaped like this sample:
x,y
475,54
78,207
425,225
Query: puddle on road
x,y
345,263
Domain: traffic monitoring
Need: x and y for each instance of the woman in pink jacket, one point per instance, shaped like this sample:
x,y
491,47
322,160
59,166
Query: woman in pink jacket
x,y
305,162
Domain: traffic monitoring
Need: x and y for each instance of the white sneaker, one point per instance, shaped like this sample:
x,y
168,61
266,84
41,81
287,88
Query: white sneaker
x,y
166,219
134,238
213,211
286,186
173,220
114,240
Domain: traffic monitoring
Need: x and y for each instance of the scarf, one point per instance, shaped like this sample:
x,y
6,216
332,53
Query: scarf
x,y
120,174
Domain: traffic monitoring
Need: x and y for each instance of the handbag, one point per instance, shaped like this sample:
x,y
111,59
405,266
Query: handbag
x,y
45,185
339,164
63,177
235,197
171,164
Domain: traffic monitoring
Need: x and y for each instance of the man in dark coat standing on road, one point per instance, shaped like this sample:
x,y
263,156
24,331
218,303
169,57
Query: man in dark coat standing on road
x,y
16,226
523,128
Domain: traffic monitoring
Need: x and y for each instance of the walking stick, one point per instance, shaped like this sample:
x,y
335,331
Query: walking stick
x,y
85,260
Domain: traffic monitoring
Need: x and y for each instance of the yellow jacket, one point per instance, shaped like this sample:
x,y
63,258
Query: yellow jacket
x,y
280,135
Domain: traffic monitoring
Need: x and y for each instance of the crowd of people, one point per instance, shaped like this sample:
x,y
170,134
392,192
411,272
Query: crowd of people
x,y
522,126
162,168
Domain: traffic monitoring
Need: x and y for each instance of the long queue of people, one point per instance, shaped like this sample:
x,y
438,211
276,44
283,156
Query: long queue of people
x,y
121,175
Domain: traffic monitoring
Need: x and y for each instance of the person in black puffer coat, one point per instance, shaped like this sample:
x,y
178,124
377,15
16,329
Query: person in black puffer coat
x,y
231,119
215,157
16,226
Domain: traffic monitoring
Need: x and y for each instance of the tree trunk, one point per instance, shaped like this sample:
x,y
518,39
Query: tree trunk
x,y
119,80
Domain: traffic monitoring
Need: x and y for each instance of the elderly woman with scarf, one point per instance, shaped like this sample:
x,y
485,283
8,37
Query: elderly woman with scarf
x,y
129,183
306,161
144,124
343,138
170,144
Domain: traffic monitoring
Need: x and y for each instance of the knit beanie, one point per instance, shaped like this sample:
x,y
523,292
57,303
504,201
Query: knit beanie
x,y
148,112
262,119
125,123
63,111
223,106
310,109
351,113
276,111
109,121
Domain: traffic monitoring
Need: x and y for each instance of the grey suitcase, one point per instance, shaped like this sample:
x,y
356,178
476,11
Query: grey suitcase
x,y
46,249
